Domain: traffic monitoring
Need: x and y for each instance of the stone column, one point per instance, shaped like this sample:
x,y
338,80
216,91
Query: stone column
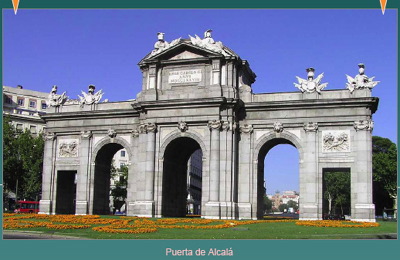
x,y
45,206
82,187
212,206
133,175
362,207
309,181
226,171
244,175
150,161
144,205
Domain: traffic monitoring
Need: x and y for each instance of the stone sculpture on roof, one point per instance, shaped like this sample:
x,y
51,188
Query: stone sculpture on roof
x,y
162,44
90,98
361,81
208,43
311,85
56,100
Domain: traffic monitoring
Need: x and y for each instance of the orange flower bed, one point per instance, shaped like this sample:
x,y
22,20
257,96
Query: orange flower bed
x,y
336,223
138,225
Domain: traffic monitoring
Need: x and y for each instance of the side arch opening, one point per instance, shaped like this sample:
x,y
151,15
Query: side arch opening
x,y
182,178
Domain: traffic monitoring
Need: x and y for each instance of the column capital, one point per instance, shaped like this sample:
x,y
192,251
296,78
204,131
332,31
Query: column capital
x,y
214,124
86,134
49,136
364,125
310,127
135,133
246,129
146,128
151,128
226,125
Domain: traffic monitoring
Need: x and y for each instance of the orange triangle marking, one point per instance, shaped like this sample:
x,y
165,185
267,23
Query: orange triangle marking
x,y
15,5
383,5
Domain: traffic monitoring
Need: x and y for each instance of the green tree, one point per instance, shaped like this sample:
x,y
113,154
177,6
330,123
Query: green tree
x,y
119,192
22,161
282,207
293,204
267,204
384,166
337,190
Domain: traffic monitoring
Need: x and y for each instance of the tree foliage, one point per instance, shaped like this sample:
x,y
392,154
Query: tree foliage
x,y
293,204
384,165
22,161
267,204
119,192
337,190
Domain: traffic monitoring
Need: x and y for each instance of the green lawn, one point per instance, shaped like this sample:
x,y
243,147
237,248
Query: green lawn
x,y
251,231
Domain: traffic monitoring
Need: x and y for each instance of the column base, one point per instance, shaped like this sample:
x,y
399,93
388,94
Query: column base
x,y
45,207
212,210
228,210
141,209
309,212
245,211
81,207
363,213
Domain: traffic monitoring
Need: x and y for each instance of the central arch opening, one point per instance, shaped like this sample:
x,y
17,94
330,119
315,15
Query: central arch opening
x,y
181,189
278,178
110,171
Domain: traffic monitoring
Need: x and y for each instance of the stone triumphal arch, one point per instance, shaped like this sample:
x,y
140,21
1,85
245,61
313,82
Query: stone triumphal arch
x,y
196,94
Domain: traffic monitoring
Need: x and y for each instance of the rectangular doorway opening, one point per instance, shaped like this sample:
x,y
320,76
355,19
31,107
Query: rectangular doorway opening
x,y
336,187
66,192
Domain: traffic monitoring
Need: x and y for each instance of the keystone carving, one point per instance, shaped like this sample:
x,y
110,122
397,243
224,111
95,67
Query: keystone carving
x,y
278,127
111,133
182,126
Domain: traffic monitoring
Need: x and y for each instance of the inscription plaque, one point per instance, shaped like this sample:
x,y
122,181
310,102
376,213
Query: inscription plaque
x,y
184,76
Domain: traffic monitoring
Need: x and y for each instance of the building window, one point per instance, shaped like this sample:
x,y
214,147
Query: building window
x,y
19,112
32,128
7,99
32,103
122,153
20,102
31,113
121,165
19,127
44,106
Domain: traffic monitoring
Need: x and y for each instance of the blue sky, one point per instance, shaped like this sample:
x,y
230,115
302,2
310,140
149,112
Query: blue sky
x,y
75,48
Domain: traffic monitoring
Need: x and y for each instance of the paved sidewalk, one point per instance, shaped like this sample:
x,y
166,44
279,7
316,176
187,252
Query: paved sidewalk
x,y
14,234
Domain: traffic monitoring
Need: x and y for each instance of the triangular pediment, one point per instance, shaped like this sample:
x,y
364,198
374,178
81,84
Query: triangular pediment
x,y
182,51
185,54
